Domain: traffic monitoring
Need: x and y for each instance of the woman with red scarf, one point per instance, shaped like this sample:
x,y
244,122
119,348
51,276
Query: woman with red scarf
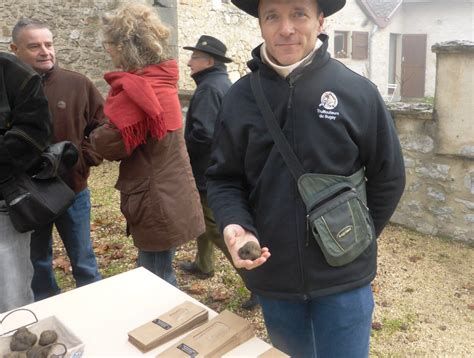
x,y
158,194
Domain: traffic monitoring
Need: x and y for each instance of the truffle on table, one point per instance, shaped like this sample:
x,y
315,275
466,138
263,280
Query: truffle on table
x,y
38,352
22,340
48,337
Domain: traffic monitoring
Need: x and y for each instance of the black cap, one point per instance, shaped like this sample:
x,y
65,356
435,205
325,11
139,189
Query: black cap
x,y
328,7
211,46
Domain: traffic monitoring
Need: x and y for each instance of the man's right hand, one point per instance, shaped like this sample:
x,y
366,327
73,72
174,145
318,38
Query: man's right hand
x,y
235,236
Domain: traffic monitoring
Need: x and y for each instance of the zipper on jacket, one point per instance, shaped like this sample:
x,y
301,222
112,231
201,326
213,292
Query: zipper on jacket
x,y
291,83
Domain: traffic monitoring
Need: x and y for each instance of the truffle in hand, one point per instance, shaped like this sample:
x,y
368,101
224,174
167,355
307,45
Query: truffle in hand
x,y
250,251
22,340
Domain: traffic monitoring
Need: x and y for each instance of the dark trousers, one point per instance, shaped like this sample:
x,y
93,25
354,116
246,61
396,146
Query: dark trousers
x,y
205,243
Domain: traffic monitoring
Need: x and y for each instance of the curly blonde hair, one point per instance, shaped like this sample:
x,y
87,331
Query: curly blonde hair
x,y
139,33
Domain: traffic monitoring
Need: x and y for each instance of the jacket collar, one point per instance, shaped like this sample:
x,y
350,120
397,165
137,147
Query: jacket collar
x,y
48,76
319,59
198,77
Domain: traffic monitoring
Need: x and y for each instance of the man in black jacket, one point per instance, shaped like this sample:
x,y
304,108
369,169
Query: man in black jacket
x,y
336,123
207,64
25,131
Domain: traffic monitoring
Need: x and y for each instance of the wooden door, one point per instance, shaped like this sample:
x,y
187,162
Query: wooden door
x,y
413,65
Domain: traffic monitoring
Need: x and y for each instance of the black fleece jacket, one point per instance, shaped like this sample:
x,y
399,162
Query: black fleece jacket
x,y
25,124
212,84
336,122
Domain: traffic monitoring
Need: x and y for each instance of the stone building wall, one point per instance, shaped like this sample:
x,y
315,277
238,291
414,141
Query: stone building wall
x,y
438,147
75,25
76,28
239,31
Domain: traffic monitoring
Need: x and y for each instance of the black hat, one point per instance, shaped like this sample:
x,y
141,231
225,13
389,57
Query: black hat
x,y
211,46
328,7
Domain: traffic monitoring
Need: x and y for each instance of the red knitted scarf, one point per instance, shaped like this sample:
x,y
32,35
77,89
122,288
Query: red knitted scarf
x,y
144,103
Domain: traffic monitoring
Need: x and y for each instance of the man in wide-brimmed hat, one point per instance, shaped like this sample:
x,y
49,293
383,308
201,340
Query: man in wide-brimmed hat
x,y
314,288
207,64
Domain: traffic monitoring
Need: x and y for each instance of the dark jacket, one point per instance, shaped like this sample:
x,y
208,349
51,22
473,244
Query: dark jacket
x,y
25,124
336,122
77,108
212,84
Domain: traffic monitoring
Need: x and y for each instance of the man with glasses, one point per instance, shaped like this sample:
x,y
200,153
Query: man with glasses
x,y
76,107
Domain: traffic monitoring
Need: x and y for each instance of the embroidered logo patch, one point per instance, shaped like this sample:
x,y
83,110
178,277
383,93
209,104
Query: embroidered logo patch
x,y
329,101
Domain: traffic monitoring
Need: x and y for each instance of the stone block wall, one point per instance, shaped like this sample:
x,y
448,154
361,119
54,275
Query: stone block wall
x,y
437,147
221,19
76,28
454,97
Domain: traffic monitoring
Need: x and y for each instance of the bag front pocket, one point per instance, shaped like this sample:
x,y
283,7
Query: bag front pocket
x,y
341,225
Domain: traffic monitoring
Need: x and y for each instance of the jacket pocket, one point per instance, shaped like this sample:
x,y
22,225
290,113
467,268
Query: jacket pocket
x,y
135,200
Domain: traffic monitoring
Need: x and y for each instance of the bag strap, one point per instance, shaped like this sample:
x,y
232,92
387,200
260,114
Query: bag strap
x,y
289,156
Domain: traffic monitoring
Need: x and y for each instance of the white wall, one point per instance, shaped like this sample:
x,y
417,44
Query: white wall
x,y
350,18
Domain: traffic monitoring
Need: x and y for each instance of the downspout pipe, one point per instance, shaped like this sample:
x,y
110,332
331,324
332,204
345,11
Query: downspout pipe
x,y
375,28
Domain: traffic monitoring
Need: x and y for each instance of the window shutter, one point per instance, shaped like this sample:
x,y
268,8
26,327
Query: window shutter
x,y
360,45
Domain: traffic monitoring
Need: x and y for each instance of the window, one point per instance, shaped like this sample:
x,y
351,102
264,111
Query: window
x,y
340,44
360,45
353,45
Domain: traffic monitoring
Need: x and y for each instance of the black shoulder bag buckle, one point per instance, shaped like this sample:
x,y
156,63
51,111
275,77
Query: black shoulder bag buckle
x,y
337,212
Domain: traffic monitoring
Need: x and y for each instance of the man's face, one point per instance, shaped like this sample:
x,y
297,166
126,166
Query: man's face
x,y
200,61
35,47
290,28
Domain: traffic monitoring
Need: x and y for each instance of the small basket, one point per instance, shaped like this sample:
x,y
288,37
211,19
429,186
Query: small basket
x,y
68,345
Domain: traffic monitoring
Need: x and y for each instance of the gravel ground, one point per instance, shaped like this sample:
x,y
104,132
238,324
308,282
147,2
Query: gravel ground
x,y
424,291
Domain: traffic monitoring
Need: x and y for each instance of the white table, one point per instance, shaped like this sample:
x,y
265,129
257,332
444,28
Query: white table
x,y
102,313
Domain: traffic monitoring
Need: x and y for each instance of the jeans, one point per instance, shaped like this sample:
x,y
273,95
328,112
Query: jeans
x,y
74,228
16,270
160,263
334,326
